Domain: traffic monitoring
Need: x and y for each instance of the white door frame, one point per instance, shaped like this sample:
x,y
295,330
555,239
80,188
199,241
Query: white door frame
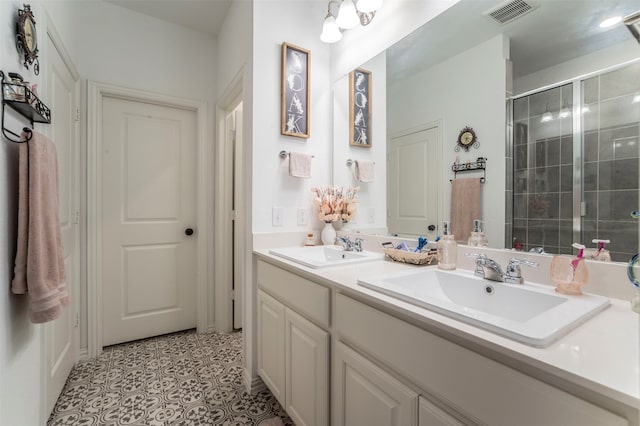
x,y
74,292
223,262
96,93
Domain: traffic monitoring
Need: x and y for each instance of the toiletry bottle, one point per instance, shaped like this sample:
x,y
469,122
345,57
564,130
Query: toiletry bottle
x,y
447,249
569,273
477,238
601,254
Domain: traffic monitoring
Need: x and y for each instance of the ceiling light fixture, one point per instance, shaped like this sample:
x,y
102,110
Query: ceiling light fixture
x,y
330,30
547,116
633,24
349,15
610,22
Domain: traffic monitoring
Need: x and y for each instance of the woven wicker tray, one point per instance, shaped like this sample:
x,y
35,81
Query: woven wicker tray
x,y
422,258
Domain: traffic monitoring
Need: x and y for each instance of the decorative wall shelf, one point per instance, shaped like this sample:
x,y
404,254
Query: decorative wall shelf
x,y
470,166
21,99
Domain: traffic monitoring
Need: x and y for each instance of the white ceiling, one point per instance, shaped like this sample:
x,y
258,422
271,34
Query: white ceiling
x,y
556,31
200,15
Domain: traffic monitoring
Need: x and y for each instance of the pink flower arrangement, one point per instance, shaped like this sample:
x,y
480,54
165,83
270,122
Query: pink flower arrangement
x,y
335,203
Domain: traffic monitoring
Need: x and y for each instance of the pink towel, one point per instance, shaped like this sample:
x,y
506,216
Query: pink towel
x,y
39,267
365,171
299,165
465,207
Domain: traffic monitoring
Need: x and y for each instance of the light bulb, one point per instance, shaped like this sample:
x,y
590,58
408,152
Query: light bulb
x,y
368,6
330,31
546,117
347,16
636,99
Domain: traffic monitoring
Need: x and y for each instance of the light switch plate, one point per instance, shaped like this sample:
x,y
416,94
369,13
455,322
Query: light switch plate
x,y
371,215
276,216
302,217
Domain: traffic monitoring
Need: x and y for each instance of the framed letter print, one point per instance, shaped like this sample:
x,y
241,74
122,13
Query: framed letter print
x,y
360,108
295,91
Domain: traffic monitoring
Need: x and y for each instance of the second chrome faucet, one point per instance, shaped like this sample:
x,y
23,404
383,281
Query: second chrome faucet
x,y
489,269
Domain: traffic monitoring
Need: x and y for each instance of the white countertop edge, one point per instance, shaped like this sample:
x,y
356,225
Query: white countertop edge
x,y
561,359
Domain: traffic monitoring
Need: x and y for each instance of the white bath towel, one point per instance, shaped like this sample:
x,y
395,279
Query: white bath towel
x,y
300,165
465,207
39,266
365,171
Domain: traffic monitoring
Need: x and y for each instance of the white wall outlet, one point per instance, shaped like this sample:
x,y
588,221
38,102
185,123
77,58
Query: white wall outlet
x,y
302,217
371,215
276,216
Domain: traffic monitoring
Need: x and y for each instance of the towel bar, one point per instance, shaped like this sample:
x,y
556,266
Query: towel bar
x,y
283,154
350,162
26,103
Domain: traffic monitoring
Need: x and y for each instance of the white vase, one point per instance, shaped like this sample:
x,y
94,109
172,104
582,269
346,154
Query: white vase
x,y
328,234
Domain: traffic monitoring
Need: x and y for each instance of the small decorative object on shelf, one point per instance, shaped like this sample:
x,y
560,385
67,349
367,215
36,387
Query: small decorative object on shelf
x,y
334,203
27,38
466,139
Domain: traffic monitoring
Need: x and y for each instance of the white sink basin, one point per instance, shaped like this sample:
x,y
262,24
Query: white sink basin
x,y
323,256
530,313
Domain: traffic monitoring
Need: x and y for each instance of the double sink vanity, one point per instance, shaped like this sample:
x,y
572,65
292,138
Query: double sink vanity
x,y
351,338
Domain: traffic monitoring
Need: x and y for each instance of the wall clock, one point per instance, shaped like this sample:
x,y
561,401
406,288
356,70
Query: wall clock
x,y
27,38
466,139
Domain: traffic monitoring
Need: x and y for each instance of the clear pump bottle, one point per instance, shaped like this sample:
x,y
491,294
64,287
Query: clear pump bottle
x,y
447,249
477,238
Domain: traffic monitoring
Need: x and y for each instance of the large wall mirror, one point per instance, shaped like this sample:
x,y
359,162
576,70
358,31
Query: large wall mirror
x,y
465,69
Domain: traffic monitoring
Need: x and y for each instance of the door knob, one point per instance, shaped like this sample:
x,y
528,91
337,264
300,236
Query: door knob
x,y
431,227
188,231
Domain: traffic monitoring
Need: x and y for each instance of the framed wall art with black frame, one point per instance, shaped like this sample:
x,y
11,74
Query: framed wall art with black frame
x,y
360,108
295,114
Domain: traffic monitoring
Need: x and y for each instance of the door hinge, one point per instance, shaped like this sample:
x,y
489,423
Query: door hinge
x,y
233,215
76,218
583,208
77,324
77,114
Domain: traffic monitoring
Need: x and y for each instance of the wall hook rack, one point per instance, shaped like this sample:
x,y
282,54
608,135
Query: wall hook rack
x,y
26,103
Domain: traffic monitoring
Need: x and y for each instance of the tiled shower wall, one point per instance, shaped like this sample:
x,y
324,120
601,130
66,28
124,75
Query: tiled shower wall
x,y
543,181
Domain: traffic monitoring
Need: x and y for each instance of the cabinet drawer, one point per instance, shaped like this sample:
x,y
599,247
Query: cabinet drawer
x,y
304,296
478,387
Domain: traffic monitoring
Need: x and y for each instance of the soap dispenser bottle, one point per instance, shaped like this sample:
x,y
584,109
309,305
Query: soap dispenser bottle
x,y
447,249
601,254
477,238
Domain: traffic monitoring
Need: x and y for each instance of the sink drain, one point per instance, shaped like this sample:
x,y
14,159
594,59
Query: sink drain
x,y
489,289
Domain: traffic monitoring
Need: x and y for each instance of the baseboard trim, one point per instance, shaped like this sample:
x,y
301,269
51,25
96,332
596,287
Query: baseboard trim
x,y
83,355
253,384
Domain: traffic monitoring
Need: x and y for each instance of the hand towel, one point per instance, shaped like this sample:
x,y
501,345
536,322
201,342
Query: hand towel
x,y
365,171
465,207
299,165
39,265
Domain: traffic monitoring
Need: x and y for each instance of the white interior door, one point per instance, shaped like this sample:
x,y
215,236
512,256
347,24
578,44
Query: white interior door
x,y
413,179
149,203
61,336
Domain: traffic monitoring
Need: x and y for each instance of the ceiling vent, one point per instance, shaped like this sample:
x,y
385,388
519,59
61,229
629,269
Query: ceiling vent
x,y
507,12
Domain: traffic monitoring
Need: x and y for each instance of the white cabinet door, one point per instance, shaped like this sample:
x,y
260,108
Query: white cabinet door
x,y
430,415
307,371
364,394
271,345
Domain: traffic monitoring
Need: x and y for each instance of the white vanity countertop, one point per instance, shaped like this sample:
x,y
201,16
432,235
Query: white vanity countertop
x,y
602,355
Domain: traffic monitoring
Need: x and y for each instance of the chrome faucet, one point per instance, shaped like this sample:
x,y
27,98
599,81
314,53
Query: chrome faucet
x,y
348,245
489,269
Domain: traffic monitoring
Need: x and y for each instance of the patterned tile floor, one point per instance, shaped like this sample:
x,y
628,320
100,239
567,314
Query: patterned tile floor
x,y
182,379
